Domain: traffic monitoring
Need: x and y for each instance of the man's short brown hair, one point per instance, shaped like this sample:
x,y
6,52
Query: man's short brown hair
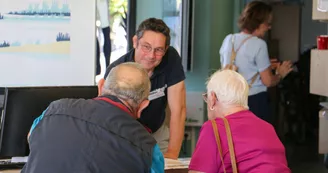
x,y
156,25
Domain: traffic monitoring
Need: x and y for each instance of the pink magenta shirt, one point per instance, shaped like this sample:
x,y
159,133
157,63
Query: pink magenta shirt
x,y
257,146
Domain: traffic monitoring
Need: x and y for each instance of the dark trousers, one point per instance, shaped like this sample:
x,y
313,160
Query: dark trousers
x,y
259,104
325,161
107,49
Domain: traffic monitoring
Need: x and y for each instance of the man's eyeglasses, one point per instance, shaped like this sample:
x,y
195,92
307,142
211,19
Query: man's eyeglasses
x,y
147,49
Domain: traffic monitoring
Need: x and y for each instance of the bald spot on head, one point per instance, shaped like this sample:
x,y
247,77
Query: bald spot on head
x,y
127,76
128,81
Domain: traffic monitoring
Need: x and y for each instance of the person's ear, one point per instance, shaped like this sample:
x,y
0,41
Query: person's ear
x,y
142,106
135,41
167,47
100,85
212,99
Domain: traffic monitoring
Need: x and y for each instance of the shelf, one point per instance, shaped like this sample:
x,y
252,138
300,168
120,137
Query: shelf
x,y
319,72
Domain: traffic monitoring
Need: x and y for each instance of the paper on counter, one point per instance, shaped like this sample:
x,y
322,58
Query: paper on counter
x,y
181,163
19,159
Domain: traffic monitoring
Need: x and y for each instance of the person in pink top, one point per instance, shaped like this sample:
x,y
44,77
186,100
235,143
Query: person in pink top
x,y
256,144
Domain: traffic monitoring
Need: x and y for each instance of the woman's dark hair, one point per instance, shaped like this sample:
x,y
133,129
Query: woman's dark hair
x,y
254,14
156,25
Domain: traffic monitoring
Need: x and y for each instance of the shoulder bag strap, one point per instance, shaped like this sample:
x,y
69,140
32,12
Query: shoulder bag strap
x,y
231,147
253,80
233,51
234,54
218,143
242,43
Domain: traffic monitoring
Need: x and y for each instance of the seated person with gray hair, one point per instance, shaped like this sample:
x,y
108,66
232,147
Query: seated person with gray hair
x,y
234,139
97,135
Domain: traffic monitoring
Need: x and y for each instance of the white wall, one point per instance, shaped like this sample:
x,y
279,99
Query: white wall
x,y
310,29
285,28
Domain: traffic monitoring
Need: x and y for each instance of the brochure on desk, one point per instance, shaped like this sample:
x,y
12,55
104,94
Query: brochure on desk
x,y
181,163
19,159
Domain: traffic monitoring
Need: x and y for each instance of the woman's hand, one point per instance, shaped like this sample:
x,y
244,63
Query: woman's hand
x,y
284,69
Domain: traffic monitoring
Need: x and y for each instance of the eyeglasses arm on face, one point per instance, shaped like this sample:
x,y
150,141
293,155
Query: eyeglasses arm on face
x,y
206,98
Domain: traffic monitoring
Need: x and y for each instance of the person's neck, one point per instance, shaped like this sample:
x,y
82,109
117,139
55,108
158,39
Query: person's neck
x,y
128,105
247,32
231,110
150,72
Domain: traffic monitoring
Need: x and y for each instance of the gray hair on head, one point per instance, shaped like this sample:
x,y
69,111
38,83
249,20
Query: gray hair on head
x,y
128,81
230,87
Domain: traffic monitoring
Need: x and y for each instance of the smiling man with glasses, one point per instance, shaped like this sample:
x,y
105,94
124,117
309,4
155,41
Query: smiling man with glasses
x,y
163,64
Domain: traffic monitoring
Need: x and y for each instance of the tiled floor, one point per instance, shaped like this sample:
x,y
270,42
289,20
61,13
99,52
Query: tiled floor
x,y
309,167
305,158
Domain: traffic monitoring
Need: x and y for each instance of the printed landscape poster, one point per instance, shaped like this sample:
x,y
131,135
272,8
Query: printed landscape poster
x,y
35,28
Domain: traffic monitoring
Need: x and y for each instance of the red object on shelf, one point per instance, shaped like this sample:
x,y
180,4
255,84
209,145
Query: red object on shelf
x,y
322,42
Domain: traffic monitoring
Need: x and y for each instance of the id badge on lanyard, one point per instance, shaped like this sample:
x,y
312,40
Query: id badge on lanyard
x,y
160,92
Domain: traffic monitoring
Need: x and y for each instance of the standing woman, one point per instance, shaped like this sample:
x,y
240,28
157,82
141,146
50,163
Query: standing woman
x,y
252,59
104,30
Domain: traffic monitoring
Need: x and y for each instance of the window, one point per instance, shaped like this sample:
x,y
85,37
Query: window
x,y
177,14
117,10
